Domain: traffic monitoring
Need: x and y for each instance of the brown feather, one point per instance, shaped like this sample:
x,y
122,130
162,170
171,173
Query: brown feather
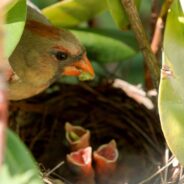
x,y
43,29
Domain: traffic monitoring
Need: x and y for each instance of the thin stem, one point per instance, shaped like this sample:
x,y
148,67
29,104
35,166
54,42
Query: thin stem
x,y
142,39
54,169
154,15
170,161
166,5
157,37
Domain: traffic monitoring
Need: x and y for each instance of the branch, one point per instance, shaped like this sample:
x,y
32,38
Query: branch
x,y
166,5
142,39
157,37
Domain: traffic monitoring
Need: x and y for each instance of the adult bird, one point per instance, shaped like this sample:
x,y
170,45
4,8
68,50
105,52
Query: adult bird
x,y
43,54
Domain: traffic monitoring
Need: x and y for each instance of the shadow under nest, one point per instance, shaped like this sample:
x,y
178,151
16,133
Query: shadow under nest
x,y
106,111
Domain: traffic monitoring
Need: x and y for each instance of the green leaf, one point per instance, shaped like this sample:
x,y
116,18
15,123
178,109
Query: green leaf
x,y
19,164
44,3
10,5
118,13
14,26
103,48
171,92
99,69
7,178
70,13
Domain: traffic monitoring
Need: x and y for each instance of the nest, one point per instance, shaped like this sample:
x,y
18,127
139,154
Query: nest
x,y
107,111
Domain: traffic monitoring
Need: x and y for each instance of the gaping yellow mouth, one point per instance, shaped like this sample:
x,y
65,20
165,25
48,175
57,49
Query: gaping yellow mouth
x,y
82,68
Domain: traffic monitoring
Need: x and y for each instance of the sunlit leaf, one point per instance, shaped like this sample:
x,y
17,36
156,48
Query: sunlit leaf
x,y
7,178
118,12
70,13
14,26
19,165
171,93
10,4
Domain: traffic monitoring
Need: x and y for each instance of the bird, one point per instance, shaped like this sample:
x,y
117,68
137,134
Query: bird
x,y
43,54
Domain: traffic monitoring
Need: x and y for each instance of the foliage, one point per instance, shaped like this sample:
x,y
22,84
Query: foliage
x,y
118,12
19,167
103,47
14,27
71,13
171,94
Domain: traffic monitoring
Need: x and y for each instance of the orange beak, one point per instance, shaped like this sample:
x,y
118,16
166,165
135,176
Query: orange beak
x,y
82,68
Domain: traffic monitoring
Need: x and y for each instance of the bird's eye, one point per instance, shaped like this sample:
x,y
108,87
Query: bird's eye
x,y
61,55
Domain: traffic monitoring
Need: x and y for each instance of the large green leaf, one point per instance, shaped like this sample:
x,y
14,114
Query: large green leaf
x,y
171,92
14,26
104,48
10,5
44,3
70,13
19,166
118,12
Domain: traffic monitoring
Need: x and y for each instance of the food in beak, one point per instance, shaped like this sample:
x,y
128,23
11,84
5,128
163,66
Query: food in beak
x,y
82,68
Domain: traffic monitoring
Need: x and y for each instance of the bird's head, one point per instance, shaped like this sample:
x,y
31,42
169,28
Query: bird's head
x,y
65,53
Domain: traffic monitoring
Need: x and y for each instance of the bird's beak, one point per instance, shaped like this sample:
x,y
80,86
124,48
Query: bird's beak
x,y
82,68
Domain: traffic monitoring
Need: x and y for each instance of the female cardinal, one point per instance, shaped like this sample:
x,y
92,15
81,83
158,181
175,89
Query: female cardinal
x,y
43,54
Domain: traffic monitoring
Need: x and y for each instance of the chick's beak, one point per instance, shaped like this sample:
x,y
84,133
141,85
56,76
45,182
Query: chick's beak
x,y
82,68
